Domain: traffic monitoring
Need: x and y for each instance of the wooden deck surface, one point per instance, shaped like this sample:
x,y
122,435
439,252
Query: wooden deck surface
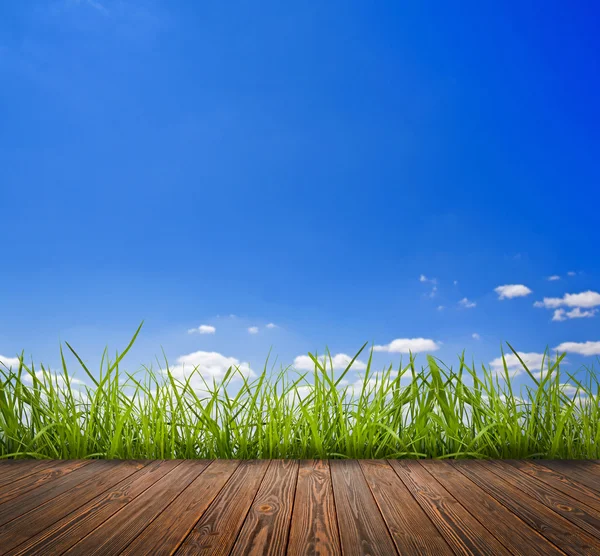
x,y
307,507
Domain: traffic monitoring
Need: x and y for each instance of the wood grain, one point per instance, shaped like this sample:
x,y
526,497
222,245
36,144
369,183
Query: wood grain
x,y
582,472
314,527
266,527
558,530
560,482
361,525
165,534
120,529
511,531
581,515
217,530
64,533
37,479
71,473
13,470
411,529
461,530
278,507
108,473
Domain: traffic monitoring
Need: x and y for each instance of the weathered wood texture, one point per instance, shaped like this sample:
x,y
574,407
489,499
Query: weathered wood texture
x,y
337,507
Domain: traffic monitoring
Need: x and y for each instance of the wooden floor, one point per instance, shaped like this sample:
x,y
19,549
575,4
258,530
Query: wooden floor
x,y
306,507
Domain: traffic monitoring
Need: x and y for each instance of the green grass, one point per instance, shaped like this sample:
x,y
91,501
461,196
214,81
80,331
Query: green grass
x,y
408,412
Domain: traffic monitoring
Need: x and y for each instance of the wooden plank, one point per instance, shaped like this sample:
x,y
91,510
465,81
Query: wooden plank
x,y
120,529
361,525
511,531
590,465
107,474
558,530
164,535
71,473
559,481
35,480
460,529
64,533
411,529
14,470
266,527
314,524
581,515
217,529
582,472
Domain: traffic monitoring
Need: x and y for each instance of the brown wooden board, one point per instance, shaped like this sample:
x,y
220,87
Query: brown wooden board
x,y
460,529
558,530
559,481
510,530
108,474
581,515
266,528
120,529
411,529
35,480
13,470
299,508
72,473
64,533
582,472
164,535
218,528
361,525
314,527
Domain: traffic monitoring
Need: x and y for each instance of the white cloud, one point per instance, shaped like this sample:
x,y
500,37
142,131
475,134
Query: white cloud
x,y
253,330
476,336
509,291
571,273
587,300
569,389
553,278
9,362
582,348
577,313
456,282
339,361
272,325
208,364
407,345
432,281
203,329
57,378
440,308
532,360
466,303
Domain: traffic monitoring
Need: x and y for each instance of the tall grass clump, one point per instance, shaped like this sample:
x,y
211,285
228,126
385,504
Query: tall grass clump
x,y
408,412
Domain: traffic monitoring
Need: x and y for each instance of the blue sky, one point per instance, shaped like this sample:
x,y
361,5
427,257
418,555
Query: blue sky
x,y
302,165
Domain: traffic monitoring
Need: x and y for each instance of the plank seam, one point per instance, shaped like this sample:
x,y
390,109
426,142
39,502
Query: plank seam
x,y
335,505
362,471
121,509
167,506
289,527
237,534
99,493
484,525
568,498
419,505
511,511
206,510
